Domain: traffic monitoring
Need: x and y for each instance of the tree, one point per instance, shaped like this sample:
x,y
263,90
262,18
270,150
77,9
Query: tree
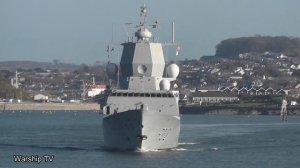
x,y
231,48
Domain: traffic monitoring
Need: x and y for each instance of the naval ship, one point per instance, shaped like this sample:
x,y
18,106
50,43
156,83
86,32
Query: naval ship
x,y
143,113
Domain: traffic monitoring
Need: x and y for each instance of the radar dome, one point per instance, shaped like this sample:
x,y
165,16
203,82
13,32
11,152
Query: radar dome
x,y
143,34
111,69
164,84
172,71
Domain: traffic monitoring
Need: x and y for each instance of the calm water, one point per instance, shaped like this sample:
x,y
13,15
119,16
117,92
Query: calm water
x,y
75,140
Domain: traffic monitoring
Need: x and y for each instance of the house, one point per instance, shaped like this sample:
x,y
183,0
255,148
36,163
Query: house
x,y
243,90
270,91
234,90
95,89
251,91
236,78
183,98
261,91
282,92
213,97
295,93
40,98
226,90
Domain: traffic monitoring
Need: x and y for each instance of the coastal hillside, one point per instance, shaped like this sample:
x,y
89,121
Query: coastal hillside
x,y
14,65
231,48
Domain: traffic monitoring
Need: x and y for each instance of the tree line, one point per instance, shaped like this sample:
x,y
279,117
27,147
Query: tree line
x,y
231,48
7,91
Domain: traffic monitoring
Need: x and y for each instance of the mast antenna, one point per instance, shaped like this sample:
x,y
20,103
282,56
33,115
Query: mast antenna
x,y
173,33
143,14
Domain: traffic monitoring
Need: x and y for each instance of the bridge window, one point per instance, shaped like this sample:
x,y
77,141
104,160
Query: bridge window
x,y
107,110
170,95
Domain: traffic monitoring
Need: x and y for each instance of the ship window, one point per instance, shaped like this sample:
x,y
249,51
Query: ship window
x,y
113,94
147,95
124,94
107,110
158,95
153,95
136,94
164,95
142,95
170,95
118,94
130,94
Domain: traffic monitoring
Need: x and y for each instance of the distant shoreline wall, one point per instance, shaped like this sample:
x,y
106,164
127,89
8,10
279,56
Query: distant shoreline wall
x,y
48,106
226,110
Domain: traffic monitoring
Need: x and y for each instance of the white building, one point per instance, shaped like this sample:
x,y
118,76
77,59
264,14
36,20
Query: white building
x,y
40,98
95,90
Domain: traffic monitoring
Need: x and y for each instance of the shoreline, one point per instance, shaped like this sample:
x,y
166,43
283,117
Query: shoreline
x,y
31,106
197,110
234,110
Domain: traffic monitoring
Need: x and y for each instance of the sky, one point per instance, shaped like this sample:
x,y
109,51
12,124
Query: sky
x,y
78,31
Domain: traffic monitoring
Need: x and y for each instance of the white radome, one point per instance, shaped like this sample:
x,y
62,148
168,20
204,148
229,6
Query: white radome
x,y
143,33
111,69
164,84
172,71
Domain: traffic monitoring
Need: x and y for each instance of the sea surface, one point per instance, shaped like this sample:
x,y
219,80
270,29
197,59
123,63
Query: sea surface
x,y
74,140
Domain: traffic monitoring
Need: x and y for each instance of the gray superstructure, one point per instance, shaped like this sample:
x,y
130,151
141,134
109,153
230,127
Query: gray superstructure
x,y
144,113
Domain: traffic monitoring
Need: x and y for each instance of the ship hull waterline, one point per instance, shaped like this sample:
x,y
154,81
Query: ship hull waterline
x,y
141,130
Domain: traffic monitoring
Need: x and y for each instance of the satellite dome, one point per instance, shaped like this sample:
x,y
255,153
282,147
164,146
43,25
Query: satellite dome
x,y
164,84
172,71
111,69
143,34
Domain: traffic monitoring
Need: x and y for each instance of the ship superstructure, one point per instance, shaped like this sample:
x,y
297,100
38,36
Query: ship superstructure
x,y
143,113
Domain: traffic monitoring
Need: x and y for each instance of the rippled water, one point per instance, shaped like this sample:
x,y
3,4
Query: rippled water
x,y
75,140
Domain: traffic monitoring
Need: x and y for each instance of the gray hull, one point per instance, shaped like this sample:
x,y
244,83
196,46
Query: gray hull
x,y
141,129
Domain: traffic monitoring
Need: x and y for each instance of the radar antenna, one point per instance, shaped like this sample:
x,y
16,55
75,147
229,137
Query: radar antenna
x,y
109,50
143,32
143,14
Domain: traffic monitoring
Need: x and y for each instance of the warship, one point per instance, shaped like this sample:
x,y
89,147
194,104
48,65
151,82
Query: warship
x,y
142,113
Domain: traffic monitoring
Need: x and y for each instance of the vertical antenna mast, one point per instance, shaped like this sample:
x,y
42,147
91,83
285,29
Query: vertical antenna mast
x,y
143,13
173,33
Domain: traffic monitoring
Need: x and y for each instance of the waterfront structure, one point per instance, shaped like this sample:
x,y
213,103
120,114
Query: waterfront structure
x,y
95,89
252,91
283,112
40,98
213,97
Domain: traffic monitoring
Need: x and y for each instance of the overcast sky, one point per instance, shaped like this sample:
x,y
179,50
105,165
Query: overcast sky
x,y
78,31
